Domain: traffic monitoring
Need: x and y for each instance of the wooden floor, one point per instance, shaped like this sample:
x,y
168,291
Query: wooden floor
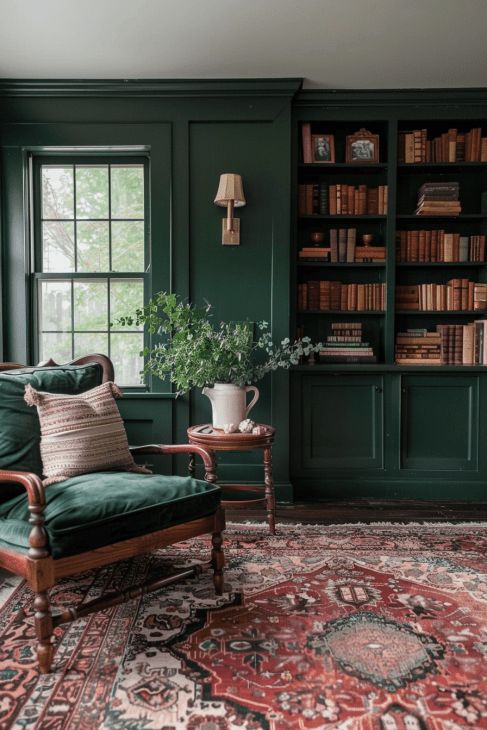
x,y
363,510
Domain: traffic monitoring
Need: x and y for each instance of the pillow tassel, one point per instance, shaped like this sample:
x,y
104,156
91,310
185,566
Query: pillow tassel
x,y
32,396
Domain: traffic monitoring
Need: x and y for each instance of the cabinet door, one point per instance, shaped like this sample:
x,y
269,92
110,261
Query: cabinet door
x,y
439,422
342,422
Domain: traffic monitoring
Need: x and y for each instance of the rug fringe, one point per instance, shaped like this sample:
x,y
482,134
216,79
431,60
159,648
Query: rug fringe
x,y
374,523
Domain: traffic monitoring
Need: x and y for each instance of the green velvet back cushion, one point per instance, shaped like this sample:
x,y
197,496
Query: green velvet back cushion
x,y
19,423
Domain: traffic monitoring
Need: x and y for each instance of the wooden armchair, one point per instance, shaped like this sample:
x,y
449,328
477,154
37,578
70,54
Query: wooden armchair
x,y
33,545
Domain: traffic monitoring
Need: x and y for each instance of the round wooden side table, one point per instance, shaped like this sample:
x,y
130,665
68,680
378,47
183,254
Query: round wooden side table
x,y
216,440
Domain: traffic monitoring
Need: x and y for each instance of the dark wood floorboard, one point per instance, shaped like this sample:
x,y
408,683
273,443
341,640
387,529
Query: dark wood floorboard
x,y
363,510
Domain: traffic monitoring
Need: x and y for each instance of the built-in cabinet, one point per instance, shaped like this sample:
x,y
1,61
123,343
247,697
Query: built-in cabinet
x,y
382,428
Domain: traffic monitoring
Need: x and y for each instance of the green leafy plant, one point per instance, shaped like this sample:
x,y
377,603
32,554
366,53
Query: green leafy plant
x,y
195,351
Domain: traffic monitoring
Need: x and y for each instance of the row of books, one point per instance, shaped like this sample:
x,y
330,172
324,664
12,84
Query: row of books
x,y
457,344
451,146
343,250
439,245
346,345
335,295
323,199
455,296
361,200
313,199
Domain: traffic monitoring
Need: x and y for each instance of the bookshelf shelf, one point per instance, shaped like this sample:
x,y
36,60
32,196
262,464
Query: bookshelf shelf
x,y
440,166
342,265
440,264
348,312
345,166
442,312
388,368
461,217
319,216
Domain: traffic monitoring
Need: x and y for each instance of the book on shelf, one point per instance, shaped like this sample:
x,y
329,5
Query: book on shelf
x,y
456,295
451,146
306,140
338,296
449,344
345,345
439,246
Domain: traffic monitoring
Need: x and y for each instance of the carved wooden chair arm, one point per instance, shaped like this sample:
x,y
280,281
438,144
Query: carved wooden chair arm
x,y
206,456
31,483
36,499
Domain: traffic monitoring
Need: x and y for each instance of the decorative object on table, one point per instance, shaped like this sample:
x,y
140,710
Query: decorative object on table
x,y
224,358
317,237
259,430
322,148
229,402
363,146
230,428
230,195
246,425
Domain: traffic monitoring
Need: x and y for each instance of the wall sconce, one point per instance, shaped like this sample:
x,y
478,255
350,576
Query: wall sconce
x,y
230,195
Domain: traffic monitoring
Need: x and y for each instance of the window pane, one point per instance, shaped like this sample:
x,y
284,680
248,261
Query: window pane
x,y
127,191
89,343
57,192
90,305
126,295
56,345
57,247
93,246
125,355
128,246
55,305
92,191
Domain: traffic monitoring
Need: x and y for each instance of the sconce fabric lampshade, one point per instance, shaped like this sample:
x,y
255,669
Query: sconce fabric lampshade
x,y
230,189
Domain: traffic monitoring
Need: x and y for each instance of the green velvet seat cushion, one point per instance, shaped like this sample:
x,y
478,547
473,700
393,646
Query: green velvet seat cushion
x,y
92,510
19,424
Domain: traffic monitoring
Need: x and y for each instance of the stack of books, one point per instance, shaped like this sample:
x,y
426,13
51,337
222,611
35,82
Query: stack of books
x,y
451,146
345,345
314,253
439,198
418,347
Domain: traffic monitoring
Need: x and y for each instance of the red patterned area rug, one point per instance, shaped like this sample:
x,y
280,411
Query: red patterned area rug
x,y
373,627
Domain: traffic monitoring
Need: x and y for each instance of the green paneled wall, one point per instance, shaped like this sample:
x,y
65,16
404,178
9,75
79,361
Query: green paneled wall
x,y
195,131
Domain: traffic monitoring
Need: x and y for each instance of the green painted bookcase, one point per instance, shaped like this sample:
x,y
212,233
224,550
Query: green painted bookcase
x,y
383,430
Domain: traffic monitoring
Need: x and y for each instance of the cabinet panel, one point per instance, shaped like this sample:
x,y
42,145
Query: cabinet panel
x,y
342,422
439,422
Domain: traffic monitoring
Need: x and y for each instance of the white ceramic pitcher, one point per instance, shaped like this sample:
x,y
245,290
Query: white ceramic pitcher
x,y
229,403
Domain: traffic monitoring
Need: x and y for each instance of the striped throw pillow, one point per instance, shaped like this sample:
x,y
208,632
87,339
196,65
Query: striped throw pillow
x,y
81,433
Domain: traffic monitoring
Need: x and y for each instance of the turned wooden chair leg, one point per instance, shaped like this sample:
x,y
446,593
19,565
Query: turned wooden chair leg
x,y
218,561
44,631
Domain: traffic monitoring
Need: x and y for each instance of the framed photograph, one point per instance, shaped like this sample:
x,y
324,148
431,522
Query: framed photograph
x,y
363,146
323,148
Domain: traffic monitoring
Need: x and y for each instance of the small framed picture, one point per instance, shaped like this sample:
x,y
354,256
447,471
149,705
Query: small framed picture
x,y
323,147
363,146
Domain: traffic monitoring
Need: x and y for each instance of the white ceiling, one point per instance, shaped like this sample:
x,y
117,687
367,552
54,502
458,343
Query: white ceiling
x,y
331,43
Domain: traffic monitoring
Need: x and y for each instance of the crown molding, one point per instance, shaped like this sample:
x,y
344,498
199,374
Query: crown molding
x,y
150,88
319,98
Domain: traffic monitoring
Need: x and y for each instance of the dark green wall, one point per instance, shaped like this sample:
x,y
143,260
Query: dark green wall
x,y
195,131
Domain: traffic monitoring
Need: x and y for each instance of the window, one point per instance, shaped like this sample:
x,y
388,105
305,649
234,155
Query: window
x,y
91,228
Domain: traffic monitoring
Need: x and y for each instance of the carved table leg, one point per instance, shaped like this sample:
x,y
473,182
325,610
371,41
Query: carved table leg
x,y
218,561
269,490
43,626
191,467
